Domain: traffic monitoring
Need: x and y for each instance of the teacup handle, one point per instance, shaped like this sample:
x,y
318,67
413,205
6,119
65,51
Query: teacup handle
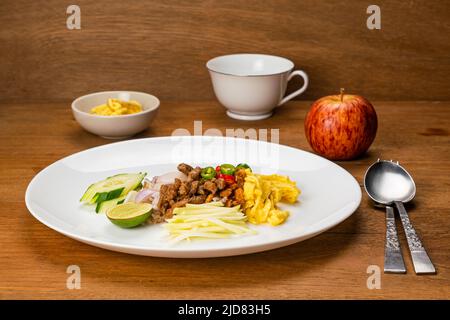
x,y
299,91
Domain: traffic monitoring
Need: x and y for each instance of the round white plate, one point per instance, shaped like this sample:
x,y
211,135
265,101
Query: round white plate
x,y
329,193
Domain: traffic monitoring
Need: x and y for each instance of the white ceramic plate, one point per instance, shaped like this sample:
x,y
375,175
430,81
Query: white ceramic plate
x,y
329,193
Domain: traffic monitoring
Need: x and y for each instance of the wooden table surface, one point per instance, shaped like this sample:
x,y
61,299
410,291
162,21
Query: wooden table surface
x,y
332,265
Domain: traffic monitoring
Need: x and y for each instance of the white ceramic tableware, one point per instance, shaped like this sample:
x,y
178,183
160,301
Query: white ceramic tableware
x,y
115,127
329,193
250,86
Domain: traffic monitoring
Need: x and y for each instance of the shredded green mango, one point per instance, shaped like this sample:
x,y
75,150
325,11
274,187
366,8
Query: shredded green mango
x,y
208,221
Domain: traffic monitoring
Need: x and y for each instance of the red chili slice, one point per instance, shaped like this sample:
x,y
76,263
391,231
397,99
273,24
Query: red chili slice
x,y
229,179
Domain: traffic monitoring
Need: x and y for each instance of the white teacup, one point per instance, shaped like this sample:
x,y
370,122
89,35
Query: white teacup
x,y
250,86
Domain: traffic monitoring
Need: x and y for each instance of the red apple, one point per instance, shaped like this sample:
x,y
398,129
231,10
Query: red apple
x,y
341,127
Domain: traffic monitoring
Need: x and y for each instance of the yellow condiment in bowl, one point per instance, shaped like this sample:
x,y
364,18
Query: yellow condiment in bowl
x,y
120,117
116,107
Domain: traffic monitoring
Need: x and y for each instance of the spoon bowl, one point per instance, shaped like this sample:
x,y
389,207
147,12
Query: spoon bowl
x,y
386,182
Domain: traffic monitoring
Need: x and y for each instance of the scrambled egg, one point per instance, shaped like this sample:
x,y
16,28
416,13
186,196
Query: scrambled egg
x,y
263,192
115,107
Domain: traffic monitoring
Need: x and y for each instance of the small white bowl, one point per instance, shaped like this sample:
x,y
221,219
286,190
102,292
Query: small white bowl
x,y
115,127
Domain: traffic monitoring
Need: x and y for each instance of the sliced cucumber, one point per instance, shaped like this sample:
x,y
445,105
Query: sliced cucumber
x,y
103,207
106,196
112,187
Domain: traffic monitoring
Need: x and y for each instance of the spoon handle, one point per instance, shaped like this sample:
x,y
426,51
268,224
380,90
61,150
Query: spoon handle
x,y
420,258
393,258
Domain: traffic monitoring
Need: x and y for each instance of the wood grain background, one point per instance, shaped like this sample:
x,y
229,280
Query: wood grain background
x,y
162,46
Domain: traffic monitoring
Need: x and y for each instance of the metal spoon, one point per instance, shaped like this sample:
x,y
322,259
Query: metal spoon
x,y
393,258
389,183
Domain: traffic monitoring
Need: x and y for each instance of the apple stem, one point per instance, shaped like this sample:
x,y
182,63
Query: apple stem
x,y
342,94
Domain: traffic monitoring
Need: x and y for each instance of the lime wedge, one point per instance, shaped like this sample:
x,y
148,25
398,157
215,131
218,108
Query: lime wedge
x,y
130,214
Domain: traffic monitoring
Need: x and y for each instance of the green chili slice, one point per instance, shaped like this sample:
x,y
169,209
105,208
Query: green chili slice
x,y
208,173
243,166
227,169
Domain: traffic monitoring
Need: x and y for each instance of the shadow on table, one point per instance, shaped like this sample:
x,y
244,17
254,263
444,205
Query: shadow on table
x,y
85,140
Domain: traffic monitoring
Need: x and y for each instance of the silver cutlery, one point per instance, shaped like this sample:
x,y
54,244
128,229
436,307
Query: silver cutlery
x,y
393,258
388,183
